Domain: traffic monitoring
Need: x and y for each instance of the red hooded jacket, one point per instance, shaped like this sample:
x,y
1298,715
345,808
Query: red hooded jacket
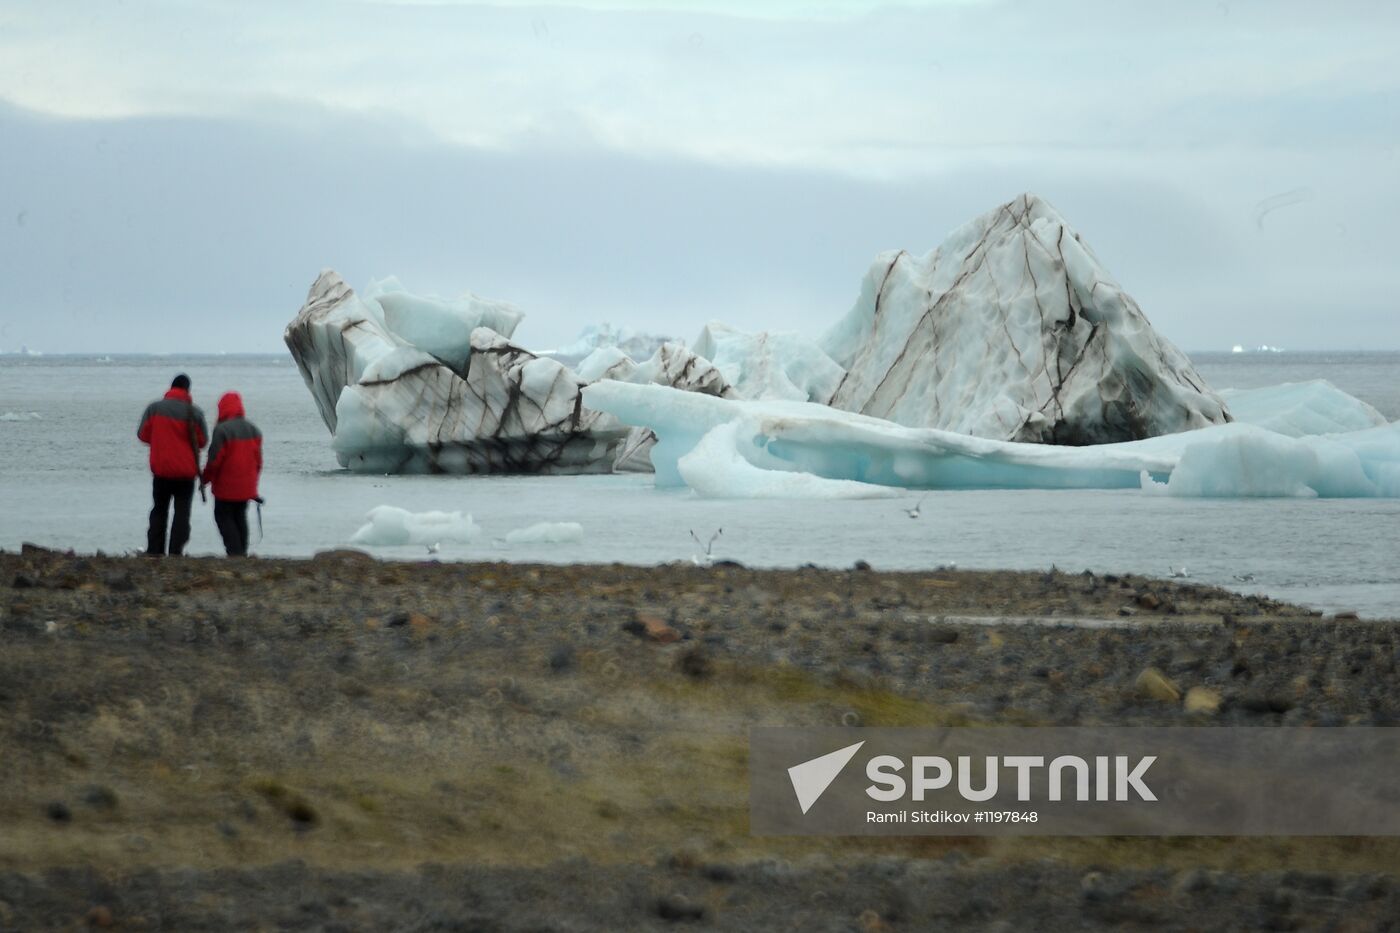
x,y
175,429
235,454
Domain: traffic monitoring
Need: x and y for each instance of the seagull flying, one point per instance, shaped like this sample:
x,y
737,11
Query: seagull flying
x,y
435,547
1245,577
917,509
1178,573
708,557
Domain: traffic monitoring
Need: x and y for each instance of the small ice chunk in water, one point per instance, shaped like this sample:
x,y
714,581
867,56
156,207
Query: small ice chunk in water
x,y
547,533
387,525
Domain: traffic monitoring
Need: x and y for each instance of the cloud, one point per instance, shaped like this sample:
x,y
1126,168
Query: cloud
x,y
181,233
200,161
881,90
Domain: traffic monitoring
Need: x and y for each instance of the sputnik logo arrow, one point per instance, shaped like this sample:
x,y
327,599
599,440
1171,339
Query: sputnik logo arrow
x,y
811,778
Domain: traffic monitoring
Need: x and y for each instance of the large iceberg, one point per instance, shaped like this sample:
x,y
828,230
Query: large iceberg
x,y
408,384
728,448
1006,357
1013,330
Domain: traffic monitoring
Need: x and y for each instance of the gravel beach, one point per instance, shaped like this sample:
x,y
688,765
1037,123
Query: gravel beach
x,y
342,744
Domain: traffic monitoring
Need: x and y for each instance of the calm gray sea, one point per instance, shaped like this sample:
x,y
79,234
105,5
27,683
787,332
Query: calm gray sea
x,y
76,477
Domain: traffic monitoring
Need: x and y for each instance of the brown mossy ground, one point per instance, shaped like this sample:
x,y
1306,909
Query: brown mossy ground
x,y
365,716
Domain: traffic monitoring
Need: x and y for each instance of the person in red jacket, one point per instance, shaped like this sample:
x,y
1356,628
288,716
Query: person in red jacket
x,y
235,460
175,430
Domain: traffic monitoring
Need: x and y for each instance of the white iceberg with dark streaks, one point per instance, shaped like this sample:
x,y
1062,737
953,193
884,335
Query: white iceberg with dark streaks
x,y
1013,330
409,384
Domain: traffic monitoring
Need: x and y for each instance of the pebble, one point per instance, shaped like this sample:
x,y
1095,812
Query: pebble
x,y
719,873
120,582
1202,701
1154,685
1094,887
678,907
1192,881
562,658
940,635
652,628
100,796
695,663
1265,703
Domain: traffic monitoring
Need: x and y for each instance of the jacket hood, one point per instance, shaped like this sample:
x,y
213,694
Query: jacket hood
x,y
179,394
230,406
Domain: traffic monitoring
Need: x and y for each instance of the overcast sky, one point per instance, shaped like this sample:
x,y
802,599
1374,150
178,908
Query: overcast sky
x,y
174,174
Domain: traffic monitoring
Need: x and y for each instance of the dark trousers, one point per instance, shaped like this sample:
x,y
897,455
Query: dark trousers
x,y
165,491
232,519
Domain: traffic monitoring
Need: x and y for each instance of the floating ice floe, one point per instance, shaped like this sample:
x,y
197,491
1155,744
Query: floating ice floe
x,y
547,533
725,448
387,526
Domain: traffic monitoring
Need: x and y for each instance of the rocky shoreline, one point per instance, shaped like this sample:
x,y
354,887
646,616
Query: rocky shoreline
x,y
343,743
